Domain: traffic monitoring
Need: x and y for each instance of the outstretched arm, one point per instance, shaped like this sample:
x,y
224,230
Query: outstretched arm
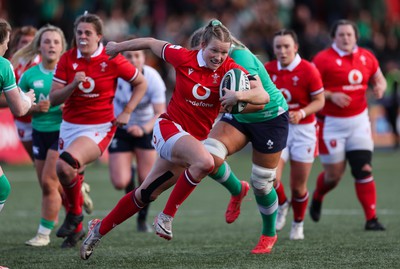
x,y
155,45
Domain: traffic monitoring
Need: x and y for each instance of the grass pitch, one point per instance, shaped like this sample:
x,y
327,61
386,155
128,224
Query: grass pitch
x,y
202,239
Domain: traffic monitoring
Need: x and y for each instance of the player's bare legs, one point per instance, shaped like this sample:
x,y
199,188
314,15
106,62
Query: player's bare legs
x,y
81,151
51,198
190,153
299,174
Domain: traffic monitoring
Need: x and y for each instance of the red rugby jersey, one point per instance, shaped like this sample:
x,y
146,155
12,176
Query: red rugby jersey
x,y
92,101
195,101
347,73
297,82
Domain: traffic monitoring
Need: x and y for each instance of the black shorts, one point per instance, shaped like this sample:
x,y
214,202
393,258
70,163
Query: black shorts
x,y
124,142
268,136
42,142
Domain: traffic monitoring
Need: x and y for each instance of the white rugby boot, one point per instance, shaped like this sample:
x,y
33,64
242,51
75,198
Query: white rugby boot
x,y
40,240
297,231
163,225
92,239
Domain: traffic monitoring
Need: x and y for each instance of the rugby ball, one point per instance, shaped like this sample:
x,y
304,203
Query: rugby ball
x,y
235,79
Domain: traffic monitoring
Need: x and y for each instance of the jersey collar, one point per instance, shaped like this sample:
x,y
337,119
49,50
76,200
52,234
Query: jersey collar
x,y
95,54
341,52
296,61
200,59
44,70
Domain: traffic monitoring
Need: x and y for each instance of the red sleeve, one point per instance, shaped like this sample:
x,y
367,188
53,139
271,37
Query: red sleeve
x,y
125,69
175,54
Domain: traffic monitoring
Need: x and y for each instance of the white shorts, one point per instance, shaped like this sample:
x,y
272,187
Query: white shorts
x,y
340,135
165,135
24,130
301,143
101,134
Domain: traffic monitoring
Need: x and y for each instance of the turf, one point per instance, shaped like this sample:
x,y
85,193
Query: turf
x,y
202,239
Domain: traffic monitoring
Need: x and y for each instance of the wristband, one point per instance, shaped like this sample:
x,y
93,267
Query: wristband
x,y
303,113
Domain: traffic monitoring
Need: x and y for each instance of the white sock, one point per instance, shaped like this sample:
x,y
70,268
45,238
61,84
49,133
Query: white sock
x,y
44,230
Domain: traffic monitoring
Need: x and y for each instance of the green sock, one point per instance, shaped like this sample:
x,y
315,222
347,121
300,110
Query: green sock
x,y
268,206
5,188
228,179
49,224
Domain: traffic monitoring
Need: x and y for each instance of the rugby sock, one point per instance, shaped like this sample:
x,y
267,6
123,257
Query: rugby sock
x,y
74,195
228,179
45,226
125,208
322,188
268,206
299,206
183,188
5,189
280,191
366,194
81,177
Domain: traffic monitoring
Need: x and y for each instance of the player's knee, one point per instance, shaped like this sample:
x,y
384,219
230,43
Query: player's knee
x,y
216,148
203,166
5,188
69,159
360,163
120,182
119,185
46,188
66,167
208,165
262,179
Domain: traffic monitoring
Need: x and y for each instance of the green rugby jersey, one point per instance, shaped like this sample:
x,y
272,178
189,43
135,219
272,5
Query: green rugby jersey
x,y
7,77
253,65
39,79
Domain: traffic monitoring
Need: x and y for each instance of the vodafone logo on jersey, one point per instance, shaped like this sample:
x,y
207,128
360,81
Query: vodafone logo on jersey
x,y
87,86
355,77
288,97
200,92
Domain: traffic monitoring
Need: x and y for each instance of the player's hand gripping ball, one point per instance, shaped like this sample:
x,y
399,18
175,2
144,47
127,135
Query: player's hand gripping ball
x,y
237,80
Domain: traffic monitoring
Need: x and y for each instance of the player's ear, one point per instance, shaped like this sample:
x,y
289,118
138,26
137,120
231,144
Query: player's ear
x,y
296,47
99,37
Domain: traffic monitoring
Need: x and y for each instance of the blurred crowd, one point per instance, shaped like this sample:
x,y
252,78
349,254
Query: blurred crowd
x,y
252,21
